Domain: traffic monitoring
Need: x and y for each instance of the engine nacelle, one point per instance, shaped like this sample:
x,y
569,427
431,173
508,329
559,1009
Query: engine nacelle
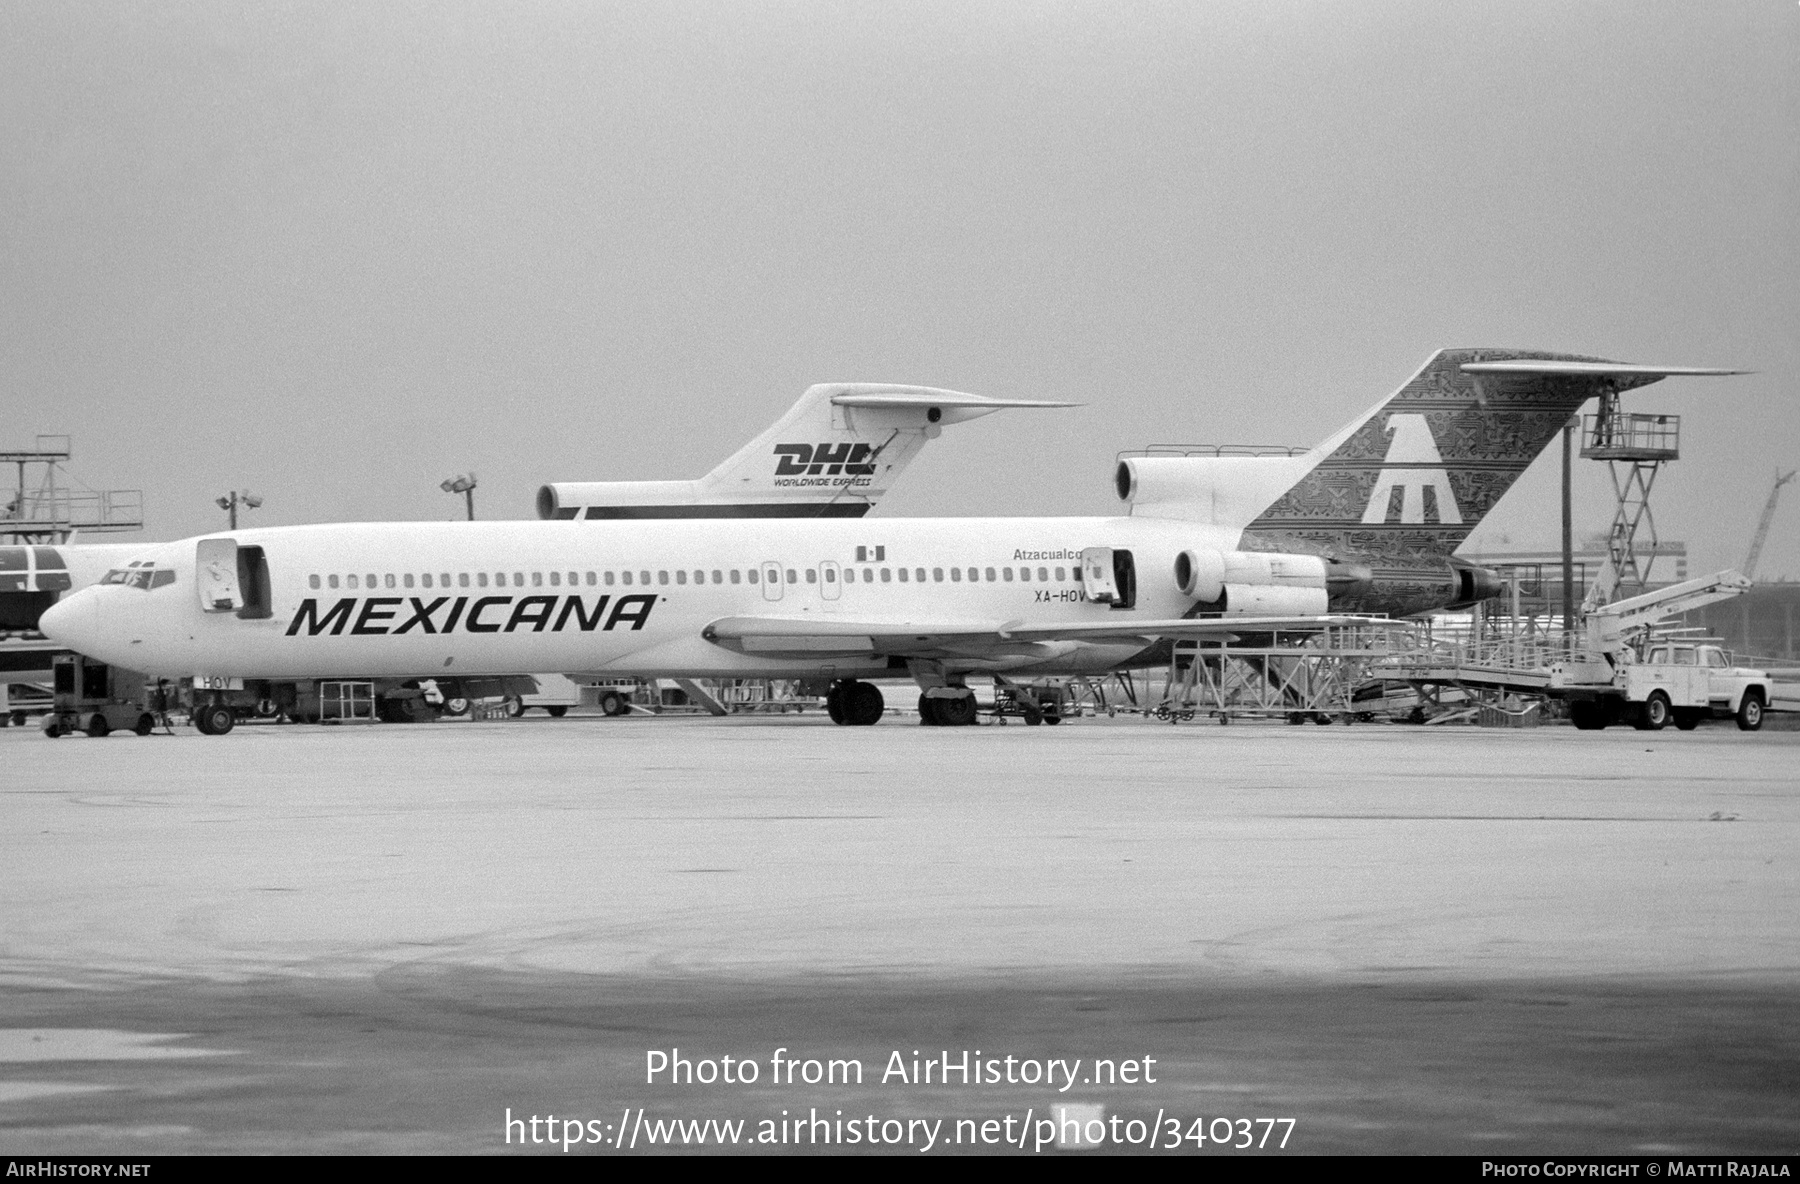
x,y
1274,600
1205,574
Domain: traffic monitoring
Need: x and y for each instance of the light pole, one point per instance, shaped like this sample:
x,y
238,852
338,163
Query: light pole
x,y
231,503
465,486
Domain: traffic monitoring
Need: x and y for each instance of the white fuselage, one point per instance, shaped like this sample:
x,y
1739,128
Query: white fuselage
x,y
426,599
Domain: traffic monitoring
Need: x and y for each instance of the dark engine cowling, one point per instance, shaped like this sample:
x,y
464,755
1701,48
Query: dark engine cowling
x,y
1474,584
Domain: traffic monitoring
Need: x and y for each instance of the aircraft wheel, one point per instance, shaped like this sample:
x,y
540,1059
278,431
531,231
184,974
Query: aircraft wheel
x,y
146,724
1654,716
862,704
1750,712
558,711
958,712
834,701
928,712
215,719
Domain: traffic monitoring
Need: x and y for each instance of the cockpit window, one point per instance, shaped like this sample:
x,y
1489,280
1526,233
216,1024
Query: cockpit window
x,y
142,574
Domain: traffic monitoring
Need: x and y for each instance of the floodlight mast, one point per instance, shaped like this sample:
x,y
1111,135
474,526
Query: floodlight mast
x,y
465,485
231,502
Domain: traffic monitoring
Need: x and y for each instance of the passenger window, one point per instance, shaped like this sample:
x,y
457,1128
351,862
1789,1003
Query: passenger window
x,y
812,577
793,576
462,579
312,581
425,580
887,575
699,577
735,575
1025,574
919,574
662,577
830,578
518,579
371,583
1044,575
388,580
749,575
481,579
990,575
644,578
590,578
626,576
902,575
937,574
718,576
956,575
407,579
1006,574
556,579
350,581
331,581
537,579
680,577
609,578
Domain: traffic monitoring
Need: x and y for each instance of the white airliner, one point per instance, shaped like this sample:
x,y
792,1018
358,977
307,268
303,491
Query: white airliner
x,y
1367,522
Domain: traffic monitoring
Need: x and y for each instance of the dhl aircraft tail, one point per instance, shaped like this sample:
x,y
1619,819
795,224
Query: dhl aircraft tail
x,y
833,455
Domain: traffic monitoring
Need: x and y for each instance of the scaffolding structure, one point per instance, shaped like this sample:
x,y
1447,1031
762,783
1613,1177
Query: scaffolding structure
x,y
1635,446
44,508
1323,675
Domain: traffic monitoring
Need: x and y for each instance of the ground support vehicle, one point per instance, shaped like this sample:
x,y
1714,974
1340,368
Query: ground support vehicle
x,y
1035,703
98,699
1678,682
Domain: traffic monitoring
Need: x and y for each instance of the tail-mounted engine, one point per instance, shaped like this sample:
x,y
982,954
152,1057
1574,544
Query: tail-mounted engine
x,y
1267,583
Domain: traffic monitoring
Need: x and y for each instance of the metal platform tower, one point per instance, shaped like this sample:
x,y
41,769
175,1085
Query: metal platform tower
x,y
1635,446
48,510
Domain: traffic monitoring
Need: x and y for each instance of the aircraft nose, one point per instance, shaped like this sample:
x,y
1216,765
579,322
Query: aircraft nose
x,y
73,621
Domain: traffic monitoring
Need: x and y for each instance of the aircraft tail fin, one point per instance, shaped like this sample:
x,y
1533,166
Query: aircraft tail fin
x,y
832,455
1415,474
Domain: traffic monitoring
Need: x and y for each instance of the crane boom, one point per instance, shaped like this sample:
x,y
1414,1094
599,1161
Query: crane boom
x,y
1606,626
1762,528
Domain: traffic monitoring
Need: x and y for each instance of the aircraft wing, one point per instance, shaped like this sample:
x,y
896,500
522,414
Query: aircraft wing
x,y
926,638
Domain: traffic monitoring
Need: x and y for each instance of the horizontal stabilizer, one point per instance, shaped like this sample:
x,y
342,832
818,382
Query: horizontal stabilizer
x,y
1595,369
927,397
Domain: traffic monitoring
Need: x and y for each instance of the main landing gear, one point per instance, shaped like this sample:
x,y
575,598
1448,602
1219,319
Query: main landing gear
x,y
956,711
854,704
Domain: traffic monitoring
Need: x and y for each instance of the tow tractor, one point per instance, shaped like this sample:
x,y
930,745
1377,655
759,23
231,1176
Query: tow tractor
x,y
90,697
1627,675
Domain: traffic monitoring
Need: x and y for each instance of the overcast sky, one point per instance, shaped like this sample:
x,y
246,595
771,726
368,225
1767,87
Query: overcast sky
x,y
337,252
